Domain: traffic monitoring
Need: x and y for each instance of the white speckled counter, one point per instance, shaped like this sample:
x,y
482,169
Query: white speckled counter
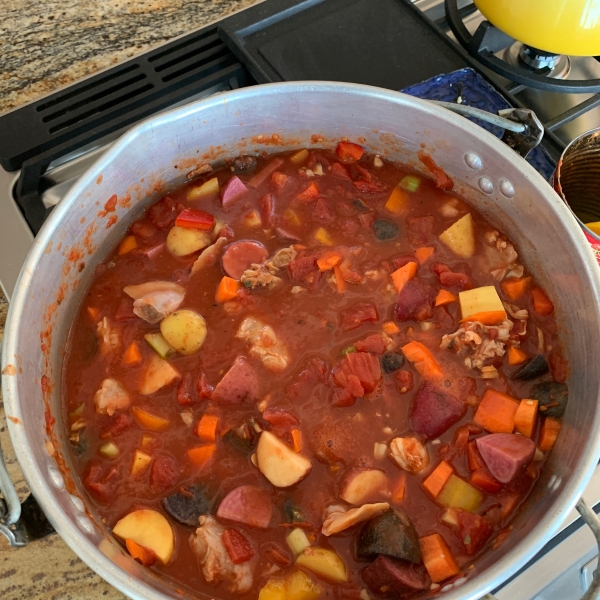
x,y
46,45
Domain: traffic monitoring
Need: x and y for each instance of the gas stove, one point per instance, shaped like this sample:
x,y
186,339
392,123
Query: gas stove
x,y
46,145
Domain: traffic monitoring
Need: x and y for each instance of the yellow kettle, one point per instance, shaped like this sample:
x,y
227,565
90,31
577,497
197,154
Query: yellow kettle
x,y
557,26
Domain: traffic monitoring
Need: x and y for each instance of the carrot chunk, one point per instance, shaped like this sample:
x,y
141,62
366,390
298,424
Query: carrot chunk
x,y
423,253
328,260
403,274
490,317
297,440
438,559
310,193
444,297
516,356
201,455
474,457
146,556
526,417
349,152
340,282
423,360
227,290
94,313
515,287
397,201
390,327
548,433
437,479
508,502
128,244
496,412
132,355
542,305
399,489
207,428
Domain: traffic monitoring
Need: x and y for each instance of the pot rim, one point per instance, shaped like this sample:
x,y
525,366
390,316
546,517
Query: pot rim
x,y
66,527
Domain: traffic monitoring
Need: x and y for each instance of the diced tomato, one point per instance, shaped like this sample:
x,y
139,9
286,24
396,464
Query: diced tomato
x,y
461,438
484,480
322,210
348,152
373,343
542,305
315,372
267,209
204,389
358,371
400,261
302,265
184,397
474,531
143,230
340,171
342,398
225,232
367,183
357,314
405,381
237,545
279,180
164,473
367,219
125,310
103,484
439,176
282,420
192,218
474,458
309,194
115,426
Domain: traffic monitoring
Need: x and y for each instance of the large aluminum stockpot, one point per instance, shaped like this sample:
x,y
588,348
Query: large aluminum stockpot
x,y
159,152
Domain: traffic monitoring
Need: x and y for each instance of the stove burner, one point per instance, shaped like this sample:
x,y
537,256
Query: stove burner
x,y
529,67
537,61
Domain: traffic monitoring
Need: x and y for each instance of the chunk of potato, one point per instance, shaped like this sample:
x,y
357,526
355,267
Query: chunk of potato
x,y
182,241
158,373
323,562
482,303
185,330
149,529
279,463
460,237
140,461
208,188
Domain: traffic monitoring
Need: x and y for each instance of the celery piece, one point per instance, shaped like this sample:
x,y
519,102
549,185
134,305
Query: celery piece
x,y
460,494
109,450
348,350
410,183
159,344
297,541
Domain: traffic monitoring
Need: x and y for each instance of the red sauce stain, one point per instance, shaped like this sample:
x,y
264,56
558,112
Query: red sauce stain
x,y
15,420
66,269
81,267
111,204
125,201
111,221
82,220
9,370
99,180
75,254
87,238
441,179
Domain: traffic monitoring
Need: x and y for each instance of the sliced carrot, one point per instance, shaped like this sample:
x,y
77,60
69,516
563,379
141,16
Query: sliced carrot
x,y
491,317
438,559
340,282
484,480
310,193
207,428
526,417
474,457
542,305
94,313
508,502
548,433
437,479
128,244
201,455
496,412
297,440
132,355
397,201
423,360
148,420
328,260
444,297
227,290
146,556
399,489
390,327
516,356
403,274
423,253
515,287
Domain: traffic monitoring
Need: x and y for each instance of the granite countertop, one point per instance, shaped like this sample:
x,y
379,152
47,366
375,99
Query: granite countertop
x,y
45,45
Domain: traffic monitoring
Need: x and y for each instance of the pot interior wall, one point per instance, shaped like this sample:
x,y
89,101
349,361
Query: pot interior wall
x,y
159,152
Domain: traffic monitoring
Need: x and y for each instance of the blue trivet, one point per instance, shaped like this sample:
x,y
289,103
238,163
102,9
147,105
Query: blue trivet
x,y
476,91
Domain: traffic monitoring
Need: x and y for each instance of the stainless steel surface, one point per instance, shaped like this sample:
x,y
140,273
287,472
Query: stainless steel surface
x,y
592,592
517,55
469,111
548,237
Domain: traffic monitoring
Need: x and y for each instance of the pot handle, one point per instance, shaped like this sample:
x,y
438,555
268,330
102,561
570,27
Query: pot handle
x,y
19,523
523,131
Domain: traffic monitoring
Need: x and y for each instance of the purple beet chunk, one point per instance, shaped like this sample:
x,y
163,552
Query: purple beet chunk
x,y
232,191
433,411
390,578
415,301
505,454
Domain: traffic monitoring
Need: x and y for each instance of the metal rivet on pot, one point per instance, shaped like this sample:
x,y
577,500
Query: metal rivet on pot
x,y
473,161
56,476
78,502
485,185
507,188
85,524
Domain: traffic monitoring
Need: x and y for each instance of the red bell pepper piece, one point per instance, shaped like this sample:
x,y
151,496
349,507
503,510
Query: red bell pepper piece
x,y
191,218
237,545
348,152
